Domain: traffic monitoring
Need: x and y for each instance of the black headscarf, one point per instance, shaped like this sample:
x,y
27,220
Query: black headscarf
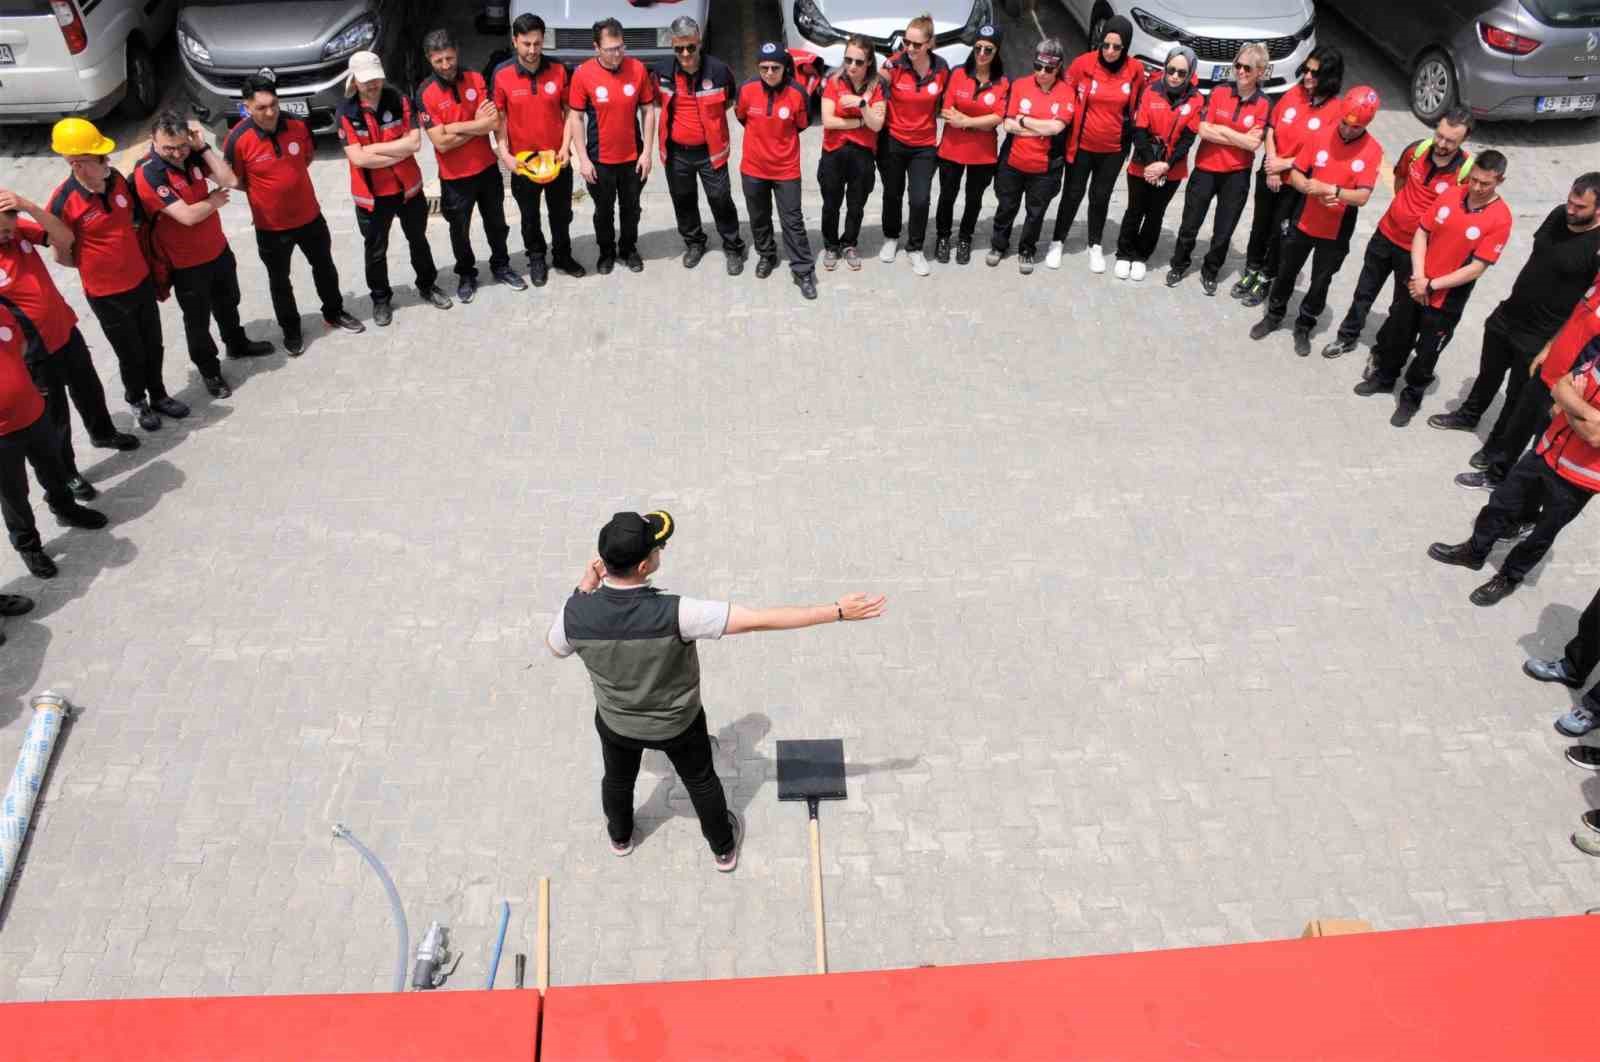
x,y
1122,28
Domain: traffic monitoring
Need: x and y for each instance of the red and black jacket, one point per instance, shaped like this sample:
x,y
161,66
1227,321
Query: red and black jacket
x,y
1164,130
711,89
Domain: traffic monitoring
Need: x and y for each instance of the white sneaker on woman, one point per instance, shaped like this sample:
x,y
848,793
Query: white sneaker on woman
x,y
887,252
1136,271
1122,268
919,263
1052,257
1097,259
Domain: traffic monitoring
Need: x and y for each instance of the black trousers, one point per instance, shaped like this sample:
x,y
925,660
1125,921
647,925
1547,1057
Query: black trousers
x,y
1503,359
1231,191
35,445
1096,173
1141,222
1583,651
557,196
1269,225
907,174
846,175
690,755
759,195
485,191
132,324
316,243
688,170
1383,258
1011,188
206,292
979,178
1531,483
1518,425
616,189
1412,326
375,225
69,371
1326,258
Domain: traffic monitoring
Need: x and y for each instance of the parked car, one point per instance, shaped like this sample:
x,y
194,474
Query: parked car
x,y
569,26
1215,29
306,43
83,57
821,26
1502,58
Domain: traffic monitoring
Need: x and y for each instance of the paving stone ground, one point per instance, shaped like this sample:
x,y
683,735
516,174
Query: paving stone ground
x,y
1165,663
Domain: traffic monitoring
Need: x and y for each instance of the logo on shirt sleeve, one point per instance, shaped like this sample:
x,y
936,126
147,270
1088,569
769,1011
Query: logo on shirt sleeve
x,y
1441,187
1499,247
1442,213
1474,232
783,112
294,147
1358,165
1288,115
1322,158
122,201
1314,124
5,333
472,94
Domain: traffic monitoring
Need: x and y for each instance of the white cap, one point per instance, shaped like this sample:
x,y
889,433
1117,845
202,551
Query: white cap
x,y
366,66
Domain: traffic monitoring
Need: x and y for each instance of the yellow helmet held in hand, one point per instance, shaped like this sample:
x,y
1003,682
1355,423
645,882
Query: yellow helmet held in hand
x,y
78,136
540,167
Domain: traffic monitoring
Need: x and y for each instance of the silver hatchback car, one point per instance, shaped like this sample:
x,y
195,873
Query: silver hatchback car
x,y
1520,59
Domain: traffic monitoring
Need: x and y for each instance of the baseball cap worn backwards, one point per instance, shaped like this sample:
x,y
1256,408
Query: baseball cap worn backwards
x,y
628,538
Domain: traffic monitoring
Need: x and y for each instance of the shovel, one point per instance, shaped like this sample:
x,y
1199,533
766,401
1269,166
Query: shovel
x,y
813,771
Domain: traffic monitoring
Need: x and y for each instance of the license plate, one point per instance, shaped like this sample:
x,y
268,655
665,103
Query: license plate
x,y
1221,72
5,54
1564,104
298,108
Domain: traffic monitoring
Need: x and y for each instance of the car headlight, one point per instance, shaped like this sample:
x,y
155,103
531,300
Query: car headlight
x,y
354,37
1155,27
194,49
813,26
1309,30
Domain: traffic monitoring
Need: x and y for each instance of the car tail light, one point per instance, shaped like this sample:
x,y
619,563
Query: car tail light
x,y
1506,41
71,24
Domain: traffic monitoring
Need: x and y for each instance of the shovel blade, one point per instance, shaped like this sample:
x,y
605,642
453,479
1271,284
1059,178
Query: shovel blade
x,y
811,770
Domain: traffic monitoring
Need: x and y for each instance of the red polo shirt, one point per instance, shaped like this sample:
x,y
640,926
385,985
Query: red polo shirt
x,y
772,120
612,99
25,281
1295,119
1035,154
534,104
1420,183
105,245
1105,99
834,139
439,103
160,185
1457,234
973,147
1583,324
914,101
1329,158
1242,116
274,169
20,401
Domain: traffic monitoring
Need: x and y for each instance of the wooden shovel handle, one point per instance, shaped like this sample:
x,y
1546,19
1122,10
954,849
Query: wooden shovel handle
x,y
816,895
542,956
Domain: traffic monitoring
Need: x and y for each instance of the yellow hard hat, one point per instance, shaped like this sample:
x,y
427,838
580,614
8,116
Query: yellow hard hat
x,y
78,136
540,167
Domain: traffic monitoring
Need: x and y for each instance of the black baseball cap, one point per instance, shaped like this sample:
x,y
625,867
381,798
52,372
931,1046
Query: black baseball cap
x,y
628,538
989,34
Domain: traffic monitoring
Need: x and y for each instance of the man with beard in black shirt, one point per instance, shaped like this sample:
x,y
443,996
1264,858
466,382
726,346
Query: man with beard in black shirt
x,y
1560,269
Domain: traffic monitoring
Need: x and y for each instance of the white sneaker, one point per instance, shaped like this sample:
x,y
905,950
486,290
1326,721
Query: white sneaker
x,y
919,263
1052,257
1123,266
887,252
1097,259
1136,271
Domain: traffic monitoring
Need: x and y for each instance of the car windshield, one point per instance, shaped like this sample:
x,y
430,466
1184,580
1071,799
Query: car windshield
x,y
1565,12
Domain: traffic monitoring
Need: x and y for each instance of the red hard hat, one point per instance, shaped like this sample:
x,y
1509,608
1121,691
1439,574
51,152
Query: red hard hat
x,y
1361,106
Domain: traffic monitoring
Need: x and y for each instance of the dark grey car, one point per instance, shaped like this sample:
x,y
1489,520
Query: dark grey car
x,y
1503,58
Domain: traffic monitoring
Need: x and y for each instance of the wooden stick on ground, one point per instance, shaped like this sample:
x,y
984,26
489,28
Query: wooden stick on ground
x,y
542,956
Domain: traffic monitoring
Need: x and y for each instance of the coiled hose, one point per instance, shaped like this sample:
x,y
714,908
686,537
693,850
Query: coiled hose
x,y
402,932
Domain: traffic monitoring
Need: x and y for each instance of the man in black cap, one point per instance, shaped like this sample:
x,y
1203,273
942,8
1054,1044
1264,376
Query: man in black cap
x,y
639,646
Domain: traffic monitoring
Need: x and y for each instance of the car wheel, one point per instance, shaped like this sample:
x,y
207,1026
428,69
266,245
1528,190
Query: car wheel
x,y
143,93
1433,87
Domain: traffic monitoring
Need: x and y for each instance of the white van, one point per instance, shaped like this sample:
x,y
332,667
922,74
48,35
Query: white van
x,y
83,57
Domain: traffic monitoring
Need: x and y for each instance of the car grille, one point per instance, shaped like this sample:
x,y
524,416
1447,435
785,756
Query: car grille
x,y
289,81
1224,49
582,40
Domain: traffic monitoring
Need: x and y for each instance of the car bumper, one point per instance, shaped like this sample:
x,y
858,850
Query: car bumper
x,y
89,93
215,93
1495,93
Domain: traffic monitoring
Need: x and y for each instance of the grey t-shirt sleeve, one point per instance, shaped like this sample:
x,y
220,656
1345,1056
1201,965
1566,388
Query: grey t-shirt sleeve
x,y
557,638
699,620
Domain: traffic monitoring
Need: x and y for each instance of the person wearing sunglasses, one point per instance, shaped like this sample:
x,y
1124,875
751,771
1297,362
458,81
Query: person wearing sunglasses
x,y
772,109
694,91
1108,87
1231,132
1303,112
915,80
852,116
975,105
1167,122
1034,154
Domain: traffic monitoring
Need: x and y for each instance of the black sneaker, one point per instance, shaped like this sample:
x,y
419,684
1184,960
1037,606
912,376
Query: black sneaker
x,y
1494,591
1338,348
1476,481
1479,460
1455,420
1208,284
941,250
1025,263
1585,756
538,271
81,488
1373,386
570,267
692,255
117,440
217,387
634,263
606,264
1264,328
148,418
346,323
466,289
735,263
294,344
1257,293
728,861
168,406
963,251
436,298
1302,342
511,279
1405,409
253,348
77,516
764,267
1241,287
382,314
15,605
39,563
1460,555
807,283
1175,276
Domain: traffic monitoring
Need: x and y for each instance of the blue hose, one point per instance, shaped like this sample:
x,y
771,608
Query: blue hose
x,y
402,932
499,941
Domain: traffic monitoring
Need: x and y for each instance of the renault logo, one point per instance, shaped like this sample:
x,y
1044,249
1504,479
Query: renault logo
x,y
1592,43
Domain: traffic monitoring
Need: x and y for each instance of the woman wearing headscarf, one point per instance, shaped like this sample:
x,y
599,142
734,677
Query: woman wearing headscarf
x,y
974,106
1312,105
1034,154
1108,84
852,115
1163,130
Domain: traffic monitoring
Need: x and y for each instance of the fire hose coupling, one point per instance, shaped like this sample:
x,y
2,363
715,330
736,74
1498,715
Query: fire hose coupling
x,y
433,954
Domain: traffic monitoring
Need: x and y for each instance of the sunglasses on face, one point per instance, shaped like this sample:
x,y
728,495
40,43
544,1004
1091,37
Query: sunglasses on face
x,y
985,49
1042,67
1310,72
1111,47
915,44
686,49
852,61
770,68
1177,71
1242,67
